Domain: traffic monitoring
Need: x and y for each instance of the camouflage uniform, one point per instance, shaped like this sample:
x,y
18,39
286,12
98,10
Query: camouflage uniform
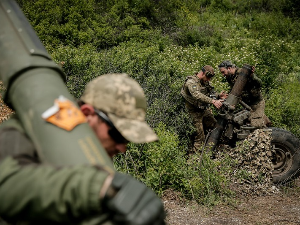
x,y
252,96
34,192
197,101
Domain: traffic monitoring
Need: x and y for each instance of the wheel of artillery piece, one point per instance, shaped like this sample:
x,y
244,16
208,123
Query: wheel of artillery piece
x,y
286,161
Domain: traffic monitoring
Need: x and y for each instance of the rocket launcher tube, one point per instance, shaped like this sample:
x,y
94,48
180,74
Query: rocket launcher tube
x,y
20,47
33,83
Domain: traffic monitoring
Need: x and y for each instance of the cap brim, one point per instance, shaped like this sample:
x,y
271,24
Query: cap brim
x,y
134,130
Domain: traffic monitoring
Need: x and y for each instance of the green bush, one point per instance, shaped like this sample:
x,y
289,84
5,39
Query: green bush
x,y
160,164
282,107
164,165
57,22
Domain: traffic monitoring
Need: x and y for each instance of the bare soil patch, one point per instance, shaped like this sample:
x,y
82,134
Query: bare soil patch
x,y
280,208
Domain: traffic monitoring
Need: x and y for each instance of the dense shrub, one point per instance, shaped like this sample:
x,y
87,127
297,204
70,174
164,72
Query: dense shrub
x,y
164,165
282,104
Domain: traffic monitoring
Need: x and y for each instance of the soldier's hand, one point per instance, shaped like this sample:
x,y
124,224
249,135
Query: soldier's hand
x,y
218,103
131,202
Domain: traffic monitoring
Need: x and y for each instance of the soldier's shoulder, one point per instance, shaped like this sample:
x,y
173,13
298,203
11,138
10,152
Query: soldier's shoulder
x,y
238,70
191,79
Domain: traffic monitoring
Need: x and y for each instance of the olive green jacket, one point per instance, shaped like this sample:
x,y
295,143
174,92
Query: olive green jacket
x,y
34,193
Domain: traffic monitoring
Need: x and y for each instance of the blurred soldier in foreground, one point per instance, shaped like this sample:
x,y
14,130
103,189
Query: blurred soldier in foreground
x,y
53,168
251,95
32,192
196,91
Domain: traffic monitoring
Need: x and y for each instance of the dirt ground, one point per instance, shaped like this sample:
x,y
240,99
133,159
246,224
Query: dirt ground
x,y
277,209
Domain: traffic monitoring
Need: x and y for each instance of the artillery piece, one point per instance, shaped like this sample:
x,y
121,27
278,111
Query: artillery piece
x,y
233,125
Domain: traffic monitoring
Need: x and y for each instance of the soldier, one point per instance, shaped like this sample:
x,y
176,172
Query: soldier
x,y
251,94
196,91
36,193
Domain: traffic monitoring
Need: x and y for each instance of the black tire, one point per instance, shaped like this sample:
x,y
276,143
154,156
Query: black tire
x,y
287,156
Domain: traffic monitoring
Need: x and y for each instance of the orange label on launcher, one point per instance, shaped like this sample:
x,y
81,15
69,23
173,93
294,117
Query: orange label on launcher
x,y
64,114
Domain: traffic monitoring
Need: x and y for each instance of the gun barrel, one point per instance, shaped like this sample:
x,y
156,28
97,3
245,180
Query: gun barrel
x,y
216,133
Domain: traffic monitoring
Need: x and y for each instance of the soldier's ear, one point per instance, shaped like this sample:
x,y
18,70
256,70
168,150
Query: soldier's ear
x,y
87,109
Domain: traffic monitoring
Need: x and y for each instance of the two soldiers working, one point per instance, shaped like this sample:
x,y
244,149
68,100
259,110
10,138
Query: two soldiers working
x,y
197,92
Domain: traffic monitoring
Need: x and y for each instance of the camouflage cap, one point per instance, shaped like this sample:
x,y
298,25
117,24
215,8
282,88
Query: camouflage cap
x,y
209,71
123,99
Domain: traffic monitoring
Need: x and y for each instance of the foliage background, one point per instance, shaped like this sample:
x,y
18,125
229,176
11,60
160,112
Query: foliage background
x,y
159,43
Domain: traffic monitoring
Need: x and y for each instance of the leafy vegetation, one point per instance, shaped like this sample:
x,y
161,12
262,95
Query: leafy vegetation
x,y
159,43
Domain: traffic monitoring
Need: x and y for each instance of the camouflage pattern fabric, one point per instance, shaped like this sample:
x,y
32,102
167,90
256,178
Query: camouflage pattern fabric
x,y
199,111
124,101
203,121
198,91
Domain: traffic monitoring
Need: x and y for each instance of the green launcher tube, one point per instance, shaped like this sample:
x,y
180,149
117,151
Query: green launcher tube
x,y
36,91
